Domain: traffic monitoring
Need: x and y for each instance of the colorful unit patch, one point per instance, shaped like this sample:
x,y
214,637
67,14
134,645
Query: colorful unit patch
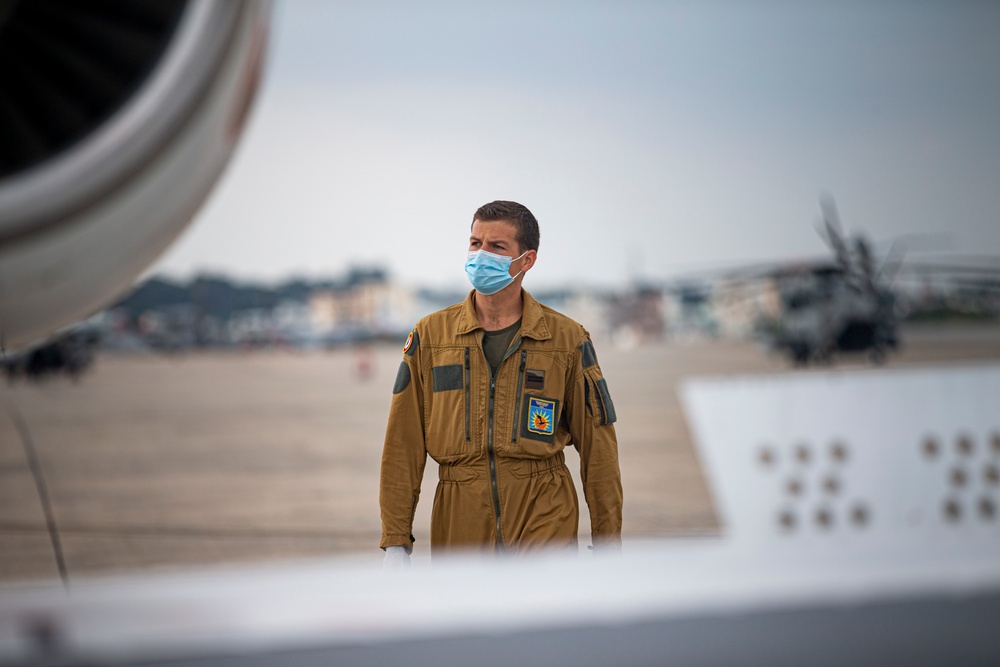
x,y
541,416
408,343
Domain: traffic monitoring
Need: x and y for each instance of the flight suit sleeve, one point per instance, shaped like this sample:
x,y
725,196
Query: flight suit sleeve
x,y
403,453
591,414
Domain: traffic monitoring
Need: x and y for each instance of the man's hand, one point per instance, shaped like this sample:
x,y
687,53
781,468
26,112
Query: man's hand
x,y
396,558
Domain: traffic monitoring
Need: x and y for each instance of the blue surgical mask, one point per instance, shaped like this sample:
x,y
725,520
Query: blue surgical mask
x,y
488,272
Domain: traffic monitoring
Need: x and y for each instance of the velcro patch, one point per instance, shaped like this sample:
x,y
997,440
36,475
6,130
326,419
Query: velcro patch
x,y
402,378
587,353
608,414
447,377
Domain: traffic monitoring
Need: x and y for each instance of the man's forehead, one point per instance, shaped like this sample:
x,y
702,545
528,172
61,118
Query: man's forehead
x,y
494,229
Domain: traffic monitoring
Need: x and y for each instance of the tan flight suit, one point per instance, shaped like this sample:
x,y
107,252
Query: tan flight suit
x,y
503,480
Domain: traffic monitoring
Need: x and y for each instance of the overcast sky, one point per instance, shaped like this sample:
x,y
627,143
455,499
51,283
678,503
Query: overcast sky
x,y
649,138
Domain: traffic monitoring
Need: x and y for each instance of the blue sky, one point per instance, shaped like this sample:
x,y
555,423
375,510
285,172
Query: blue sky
x,y
649,138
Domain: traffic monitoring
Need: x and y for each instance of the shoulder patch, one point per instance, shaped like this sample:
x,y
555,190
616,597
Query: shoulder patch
x,y
588,354
410,346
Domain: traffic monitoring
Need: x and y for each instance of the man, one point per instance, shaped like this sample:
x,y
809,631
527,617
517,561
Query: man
x,y
493,389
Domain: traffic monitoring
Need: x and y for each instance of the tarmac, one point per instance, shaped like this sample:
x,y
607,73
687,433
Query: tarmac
x,y
159,462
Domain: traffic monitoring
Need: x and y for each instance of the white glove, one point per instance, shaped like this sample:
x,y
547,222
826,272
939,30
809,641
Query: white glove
x,y
396,558
604,548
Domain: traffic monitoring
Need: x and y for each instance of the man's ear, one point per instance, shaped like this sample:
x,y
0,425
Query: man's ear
x,y
528,260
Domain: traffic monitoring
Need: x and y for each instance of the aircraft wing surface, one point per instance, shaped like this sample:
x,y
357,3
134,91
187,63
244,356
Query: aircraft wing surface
x,y
910,580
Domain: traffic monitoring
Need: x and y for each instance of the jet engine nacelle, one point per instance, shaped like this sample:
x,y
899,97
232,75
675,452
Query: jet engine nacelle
x,y
116,120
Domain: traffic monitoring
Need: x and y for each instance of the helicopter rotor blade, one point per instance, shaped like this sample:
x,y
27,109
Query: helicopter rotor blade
x,y
890,265
907,243
833,234
866,266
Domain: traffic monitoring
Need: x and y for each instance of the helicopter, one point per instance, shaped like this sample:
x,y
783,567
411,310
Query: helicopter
x,y
843,305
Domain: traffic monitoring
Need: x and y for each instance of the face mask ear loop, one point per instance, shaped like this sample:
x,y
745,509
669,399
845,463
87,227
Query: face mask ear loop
x,y
514,277
518,258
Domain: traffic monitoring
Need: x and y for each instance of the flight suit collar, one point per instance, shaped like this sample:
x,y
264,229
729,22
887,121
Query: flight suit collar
x,y
533,323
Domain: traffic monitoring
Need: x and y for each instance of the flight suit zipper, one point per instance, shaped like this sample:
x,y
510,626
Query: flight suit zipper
x,y
520,395
492,458
491,453
468,381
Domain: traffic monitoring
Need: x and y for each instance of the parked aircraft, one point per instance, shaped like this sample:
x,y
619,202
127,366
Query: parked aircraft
x,y
71,353
846,305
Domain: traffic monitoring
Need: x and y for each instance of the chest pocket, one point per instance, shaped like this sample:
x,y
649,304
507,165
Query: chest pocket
x,y
537,400
449,410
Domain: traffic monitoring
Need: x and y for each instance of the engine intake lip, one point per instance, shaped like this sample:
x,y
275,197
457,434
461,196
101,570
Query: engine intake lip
x,y
53,192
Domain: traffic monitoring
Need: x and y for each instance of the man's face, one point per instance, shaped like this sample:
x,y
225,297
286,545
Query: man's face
x,y
500,238
497,236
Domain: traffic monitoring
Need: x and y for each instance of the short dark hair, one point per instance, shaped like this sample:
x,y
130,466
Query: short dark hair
x,y
516,214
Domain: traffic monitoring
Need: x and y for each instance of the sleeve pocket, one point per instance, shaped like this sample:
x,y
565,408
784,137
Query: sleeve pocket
x,y
602,409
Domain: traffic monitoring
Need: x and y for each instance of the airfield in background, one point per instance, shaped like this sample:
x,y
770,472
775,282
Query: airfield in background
x,y
159,462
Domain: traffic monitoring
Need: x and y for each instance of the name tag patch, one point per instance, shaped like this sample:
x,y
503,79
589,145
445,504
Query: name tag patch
x,y
534,379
